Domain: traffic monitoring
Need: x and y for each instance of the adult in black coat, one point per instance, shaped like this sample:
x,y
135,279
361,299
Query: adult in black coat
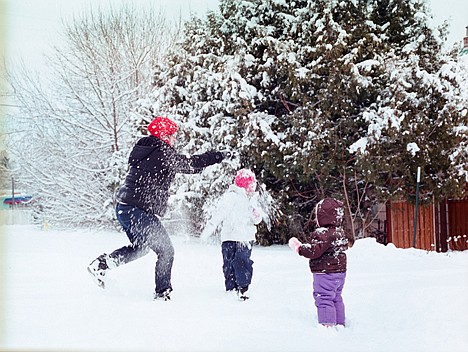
x,y
143,199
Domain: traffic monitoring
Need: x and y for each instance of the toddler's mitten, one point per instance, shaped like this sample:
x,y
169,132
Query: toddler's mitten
x,y
294,243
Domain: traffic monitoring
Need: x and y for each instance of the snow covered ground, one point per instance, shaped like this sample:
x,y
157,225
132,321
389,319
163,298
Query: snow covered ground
x,y
396,300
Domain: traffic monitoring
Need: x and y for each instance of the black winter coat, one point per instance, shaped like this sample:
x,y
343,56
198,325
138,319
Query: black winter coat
x,y
153,166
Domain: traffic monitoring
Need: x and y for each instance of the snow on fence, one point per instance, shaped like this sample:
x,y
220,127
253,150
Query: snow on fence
x,y
15,216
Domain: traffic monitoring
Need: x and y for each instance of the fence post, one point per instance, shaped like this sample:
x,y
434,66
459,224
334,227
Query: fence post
x,y
416,208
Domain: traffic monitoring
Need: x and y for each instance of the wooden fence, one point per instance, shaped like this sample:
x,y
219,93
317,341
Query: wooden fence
x,y
458,224
401,229
440,227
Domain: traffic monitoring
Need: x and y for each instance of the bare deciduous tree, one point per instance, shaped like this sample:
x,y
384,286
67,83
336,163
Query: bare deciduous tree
x,y
77,124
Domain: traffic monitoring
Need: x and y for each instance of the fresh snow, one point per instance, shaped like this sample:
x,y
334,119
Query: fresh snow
x,y
412,148
396,299
360,145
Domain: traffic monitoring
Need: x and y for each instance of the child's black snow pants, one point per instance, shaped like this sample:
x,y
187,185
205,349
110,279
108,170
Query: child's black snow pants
x,y
237,265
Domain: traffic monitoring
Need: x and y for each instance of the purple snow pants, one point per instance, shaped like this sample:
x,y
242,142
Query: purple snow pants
x,y
328,300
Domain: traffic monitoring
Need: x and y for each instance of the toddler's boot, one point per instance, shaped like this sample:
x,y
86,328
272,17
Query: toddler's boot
x,y
163,296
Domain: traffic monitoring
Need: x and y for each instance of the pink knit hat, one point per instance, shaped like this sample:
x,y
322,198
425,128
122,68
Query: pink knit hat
x,y
246,179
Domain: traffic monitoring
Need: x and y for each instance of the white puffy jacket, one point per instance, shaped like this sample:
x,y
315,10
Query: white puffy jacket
x,y
237,214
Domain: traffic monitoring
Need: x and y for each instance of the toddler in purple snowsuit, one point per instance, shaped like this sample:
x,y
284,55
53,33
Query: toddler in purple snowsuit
x,y
327,260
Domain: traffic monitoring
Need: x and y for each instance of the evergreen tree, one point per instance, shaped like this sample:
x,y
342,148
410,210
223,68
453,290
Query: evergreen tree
x,y
417,124
297,87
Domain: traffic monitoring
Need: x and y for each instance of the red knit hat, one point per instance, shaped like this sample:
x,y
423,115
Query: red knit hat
x,y
162,128
246,179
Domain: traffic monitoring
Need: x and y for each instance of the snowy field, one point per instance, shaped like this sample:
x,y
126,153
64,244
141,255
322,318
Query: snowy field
x,y
396,300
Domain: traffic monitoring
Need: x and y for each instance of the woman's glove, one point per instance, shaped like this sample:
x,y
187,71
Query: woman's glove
x,y
295,244
218,156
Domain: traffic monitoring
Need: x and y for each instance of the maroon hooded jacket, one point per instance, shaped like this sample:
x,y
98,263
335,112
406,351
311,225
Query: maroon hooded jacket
x,y
327,244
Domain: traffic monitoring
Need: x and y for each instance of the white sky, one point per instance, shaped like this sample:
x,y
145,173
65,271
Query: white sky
x,y
31,26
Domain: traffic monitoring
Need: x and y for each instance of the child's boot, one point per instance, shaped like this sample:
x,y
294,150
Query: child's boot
x,y
242,294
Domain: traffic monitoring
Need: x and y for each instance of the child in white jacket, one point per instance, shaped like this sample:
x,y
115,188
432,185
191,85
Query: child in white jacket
x,y
238,214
